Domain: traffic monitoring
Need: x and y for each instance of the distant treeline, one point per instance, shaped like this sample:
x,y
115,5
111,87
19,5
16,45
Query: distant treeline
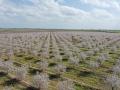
x,y
55,30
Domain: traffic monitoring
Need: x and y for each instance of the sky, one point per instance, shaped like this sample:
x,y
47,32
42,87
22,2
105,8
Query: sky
x,y
65,14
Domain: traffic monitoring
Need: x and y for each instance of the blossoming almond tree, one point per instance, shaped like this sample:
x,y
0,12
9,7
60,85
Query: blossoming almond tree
x,y
59,69
65,85
40,81
21,72
113,82
43,65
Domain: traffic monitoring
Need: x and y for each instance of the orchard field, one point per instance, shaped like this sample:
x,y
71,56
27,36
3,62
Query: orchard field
x,y
59,60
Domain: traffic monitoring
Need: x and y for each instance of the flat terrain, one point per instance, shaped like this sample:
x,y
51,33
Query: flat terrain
x,y
84,58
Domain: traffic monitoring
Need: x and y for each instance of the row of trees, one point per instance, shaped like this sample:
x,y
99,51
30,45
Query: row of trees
x,y
41,43
40,80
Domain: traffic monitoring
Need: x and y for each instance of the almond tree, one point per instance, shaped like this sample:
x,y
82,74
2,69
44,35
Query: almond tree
x,y
65,85
7,66
21,72
118,62
101,59
83,55
40,81
43,65
94,65
60,69
96,50
113,82
8,88
74,61
90,53
113,49
116,69
58,58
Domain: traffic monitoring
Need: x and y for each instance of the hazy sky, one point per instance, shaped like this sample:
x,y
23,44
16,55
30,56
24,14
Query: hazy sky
x,y
97,14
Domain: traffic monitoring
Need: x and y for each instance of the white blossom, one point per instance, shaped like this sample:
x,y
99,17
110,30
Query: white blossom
x,y
40,81
43,65
65,85
60,69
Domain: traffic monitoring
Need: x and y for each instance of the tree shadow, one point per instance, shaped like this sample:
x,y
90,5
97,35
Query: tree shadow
x,y
17,64
50,52
37,61
85,73
52,64
64,59
34,71
31,88
11,82
19,55
3,74
68,69
62,53
109,71
51,56
28,58
54,77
